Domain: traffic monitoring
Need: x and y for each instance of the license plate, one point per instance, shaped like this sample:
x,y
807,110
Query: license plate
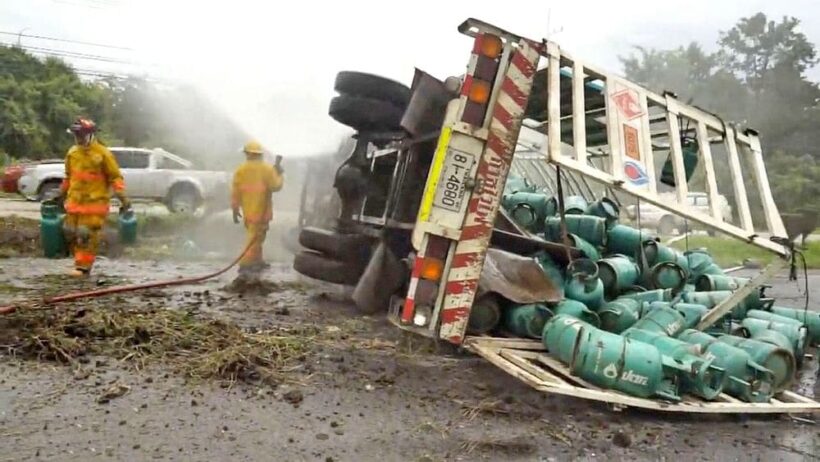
x,y
455,172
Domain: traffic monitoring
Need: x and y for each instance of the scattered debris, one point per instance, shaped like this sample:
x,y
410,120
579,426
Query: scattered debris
x,y
294,397
114,391
518,445
486,406
621,439
198,348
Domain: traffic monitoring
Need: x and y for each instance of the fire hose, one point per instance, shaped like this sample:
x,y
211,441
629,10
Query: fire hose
x,y
130,288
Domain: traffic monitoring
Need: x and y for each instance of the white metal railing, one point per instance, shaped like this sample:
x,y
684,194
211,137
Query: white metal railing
x,y
636,122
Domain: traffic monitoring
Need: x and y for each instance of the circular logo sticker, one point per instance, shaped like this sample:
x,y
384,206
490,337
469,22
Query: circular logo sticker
x,y
635,173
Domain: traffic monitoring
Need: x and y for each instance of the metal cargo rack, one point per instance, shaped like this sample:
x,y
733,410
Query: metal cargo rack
x,y
528,361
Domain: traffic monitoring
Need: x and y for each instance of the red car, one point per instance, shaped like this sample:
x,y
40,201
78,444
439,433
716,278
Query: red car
x,y
10,176
12,173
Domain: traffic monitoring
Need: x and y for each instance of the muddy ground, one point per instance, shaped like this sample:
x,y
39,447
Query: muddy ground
x,y
364,391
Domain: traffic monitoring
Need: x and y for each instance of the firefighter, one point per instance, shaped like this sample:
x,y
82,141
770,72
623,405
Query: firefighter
x,y
253,183
91,171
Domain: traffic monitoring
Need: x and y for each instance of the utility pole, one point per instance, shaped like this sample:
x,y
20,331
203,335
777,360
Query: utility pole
x,y
20,35
550,30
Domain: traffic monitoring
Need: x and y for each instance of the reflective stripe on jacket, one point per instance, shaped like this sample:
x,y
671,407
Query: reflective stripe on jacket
x,y
91,172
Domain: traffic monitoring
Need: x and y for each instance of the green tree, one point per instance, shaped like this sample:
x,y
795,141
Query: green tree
x,y
756,78
38,99
756,46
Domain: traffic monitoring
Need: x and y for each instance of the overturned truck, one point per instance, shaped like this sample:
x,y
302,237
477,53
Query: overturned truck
x,y
485,211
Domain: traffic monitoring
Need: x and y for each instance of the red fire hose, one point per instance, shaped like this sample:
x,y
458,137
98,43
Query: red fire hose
x,y
119,289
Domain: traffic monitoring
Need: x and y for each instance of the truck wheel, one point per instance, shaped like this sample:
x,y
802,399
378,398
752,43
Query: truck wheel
x,y
48,190
183,198
364,114
317,266
346,247
666,226
372,86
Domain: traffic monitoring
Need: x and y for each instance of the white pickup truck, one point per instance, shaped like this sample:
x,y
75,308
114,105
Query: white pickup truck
x,y
150,174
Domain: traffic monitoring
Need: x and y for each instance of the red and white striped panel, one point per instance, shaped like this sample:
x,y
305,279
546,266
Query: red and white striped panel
x,y
410,301
468,260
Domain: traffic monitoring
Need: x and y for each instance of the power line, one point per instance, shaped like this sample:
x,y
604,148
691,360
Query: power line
x,y
41,37
71,54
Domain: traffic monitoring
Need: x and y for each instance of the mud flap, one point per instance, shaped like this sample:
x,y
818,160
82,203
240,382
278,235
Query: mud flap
x,y
383,275
518,278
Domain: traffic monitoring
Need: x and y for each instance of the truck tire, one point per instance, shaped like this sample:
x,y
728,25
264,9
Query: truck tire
x,y
183,198
365,114
372,86
48,190
345,247
317,266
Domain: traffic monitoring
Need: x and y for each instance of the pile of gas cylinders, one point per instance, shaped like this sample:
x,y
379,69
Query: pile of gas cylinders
x,y
631,305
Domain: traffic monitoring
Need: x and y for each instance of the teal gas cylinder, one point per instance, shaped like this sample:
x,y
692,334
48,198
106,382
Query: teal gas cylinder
x,y
657,295
795,333
612,361
687,288
655,253
527,320
484,315
577,310
618,273
589,228
703,378
605,208
748,380
713,282
528,209
575,205
619,314
52,237
689,151
711,299
811,319
769,316
667,275
587,249
516,184
692,313
699,263
659,317
625,239
778,360
127,227
582,283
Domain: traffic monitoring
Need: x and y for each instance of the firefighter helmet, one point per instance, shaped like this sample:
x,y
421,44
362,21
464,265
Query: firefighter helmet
x,y
82,126
253,147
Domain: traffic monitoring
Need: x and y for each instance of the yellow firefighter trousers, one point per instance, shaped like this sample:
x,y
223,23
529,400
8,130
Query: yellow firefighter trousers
x,y
83,233
256,233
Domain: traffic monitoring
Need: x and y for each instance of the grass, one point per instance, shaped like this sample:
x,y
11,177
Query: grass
x,y
731,252
197,348
10,289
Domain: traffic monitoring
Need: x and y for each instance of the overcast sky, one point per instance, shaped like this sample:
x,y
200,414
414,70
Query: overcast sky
x,y
272,69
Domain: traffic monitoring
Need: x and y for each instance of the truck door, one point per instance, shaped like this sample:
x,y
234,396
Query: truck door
x,y
134,167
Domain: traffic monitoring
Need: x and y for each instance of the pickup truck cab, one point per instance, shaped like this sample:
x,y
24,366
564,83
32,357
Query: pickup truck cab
x,y
150,174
